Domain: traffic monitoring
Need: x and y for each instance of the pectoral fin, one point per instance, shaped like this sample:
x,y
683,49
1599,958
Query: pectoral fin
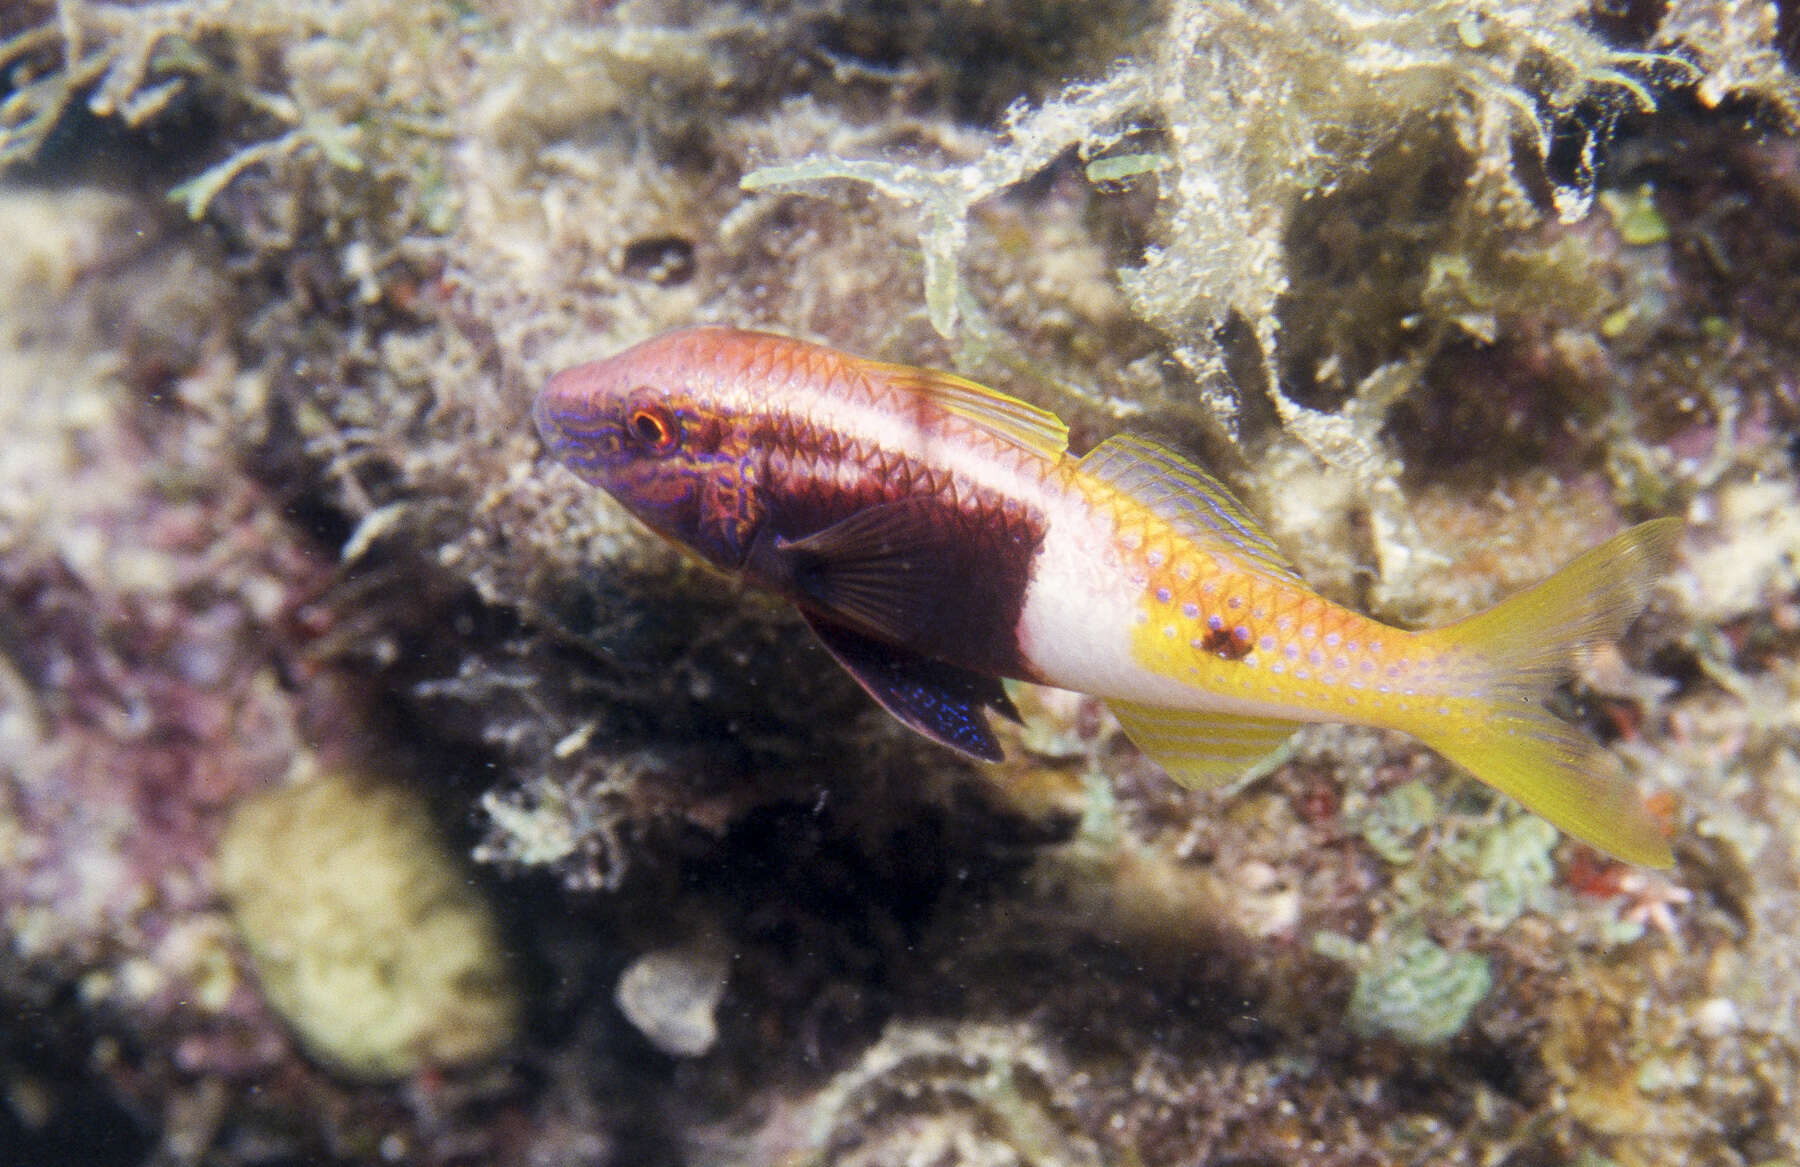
x,y
947,704
1201,750
882,570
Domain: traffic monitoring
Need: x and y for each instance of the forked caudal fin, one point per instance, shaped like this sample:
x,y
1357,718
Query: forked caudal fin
x,y
1531,642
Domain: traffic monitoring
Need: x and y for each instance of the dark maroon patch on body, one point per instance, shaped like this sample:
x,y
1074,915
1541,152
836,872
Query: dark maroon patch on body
x,y
902,552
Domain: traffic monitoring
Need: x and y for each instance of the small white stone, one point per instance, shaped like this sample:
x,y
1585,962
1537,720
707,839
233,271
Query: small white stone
x,y
672,994
1717,1017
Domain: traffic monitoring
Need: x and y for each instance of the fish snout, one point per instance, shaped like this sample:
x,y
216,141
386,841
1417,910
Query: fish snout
x,y
576,419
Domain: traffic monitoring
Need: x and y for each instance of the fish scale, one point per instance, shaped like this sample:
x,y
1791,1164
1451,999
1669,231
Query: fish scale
x,y
938,536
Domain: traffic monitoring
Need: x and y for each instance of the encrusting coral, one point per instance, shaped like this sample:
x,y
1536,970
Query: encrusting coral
x,y
1447,291
365,933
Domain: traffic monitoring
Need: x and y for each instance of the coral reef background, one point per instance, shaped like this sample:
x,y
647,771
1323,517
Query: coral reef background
x,y
370,791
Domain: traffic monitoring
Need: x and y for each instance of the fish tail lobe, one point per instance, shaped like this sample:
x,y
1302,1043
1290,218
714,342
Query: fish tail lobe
x,y
1523,648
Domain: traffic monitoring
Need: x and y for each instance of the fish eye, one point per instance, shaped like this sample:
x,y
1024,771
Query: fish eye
x,y
652,426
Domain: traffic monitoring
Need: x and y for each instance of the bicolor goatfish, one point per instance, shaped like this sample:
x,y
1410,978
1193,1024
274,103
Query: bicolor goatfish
x,y
939,536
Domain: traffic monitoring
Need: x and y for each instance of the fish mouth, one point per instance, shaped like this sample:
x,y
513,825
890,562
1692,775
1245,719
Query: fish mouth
x,y
565,422
548,431
579,453
584,439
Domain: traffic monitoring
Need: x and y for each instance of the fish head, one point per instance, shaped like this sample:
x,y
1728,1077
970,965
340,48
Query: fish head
x,y
652,427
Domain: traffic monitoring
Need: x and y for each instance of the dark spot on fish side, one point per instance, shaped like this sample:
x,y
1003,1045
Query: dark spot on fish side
x,y
1224,644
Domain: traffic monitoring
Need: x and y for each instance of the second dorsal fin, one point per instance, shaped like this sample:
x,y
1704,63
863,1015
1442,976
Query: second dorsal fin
x,y
1187,497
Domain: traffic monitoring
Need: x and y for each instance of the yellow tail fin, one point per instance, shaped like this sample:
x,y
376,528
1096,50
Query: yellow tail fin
x,y
1533,641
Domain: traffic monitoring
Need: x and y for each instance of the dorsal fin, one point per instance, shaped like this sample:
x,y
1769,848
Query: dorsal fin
x,y
1023,424
1187,497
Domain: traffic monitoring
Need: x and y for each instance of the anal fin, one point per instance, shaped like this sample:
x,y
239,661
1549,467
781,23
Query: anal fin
x,y
947,704
1201,750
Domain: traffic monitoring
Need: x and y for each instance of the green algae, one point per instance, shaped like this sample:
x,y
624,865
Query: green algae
x,y
1416,990
1393,824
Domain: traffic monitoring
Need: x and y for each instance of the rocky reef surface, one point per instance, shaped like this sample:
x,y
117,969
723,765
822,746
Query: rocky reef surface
x,y
372,791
